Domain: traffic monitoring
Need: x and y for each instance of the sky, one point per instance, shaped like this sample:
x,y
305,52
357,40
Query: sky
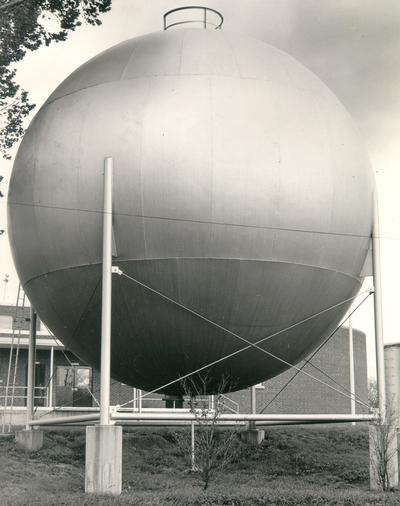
x,y
352,45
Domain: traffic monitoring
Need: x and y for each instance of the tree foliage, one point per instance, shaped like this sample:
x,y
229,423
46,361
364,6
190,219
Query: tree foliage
x,y
24,26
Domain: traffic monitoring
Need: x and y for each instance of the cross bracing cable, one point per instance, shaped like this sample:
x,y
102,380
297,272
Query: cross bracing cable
x,y
205,222
308,361
234,334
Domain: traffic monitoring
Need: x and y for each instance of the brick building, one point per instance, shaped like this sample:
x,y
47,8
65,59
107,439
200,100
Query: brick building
x,y
305,395
62,380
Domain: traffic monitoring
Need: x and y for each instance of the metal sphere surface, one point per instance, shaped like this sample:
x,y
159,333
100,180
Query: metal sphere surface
x,y
241,190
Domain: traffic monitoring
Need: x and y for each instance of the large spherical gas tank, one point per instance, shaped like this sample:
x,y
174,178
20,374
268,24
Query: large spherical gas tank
x,y
241,190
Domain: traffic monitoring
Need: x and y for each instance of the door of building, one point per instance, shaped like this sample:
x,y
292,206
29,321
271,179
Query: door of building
x,y
73,386
40,384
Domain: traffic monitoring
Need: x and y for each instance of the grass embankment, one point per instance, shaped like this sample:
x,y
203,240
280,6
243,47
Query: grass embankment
x,y
294,466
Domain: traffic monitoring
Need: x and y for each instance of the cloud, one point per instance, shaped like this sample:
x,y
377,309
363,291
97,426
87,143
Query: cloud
x,y
353,46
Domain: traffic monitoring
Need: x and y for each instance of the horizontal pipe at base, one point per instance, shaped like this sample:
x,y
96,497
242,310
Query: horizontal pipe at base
x,y
190,417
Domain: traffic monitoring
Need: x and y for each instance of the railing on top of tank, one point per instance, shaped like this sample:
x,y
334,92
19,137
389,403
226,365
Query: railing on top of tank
x,y
205,21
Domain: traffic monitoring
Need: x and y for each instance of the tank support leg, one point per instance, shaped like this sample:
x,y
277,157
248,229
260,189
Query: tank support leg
x,y
383,432
252,435
30,439
103,472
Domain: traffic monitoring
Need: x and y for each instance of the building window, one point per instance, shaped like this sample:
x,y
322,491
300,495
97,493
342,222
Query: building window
x,y
6,322
73,386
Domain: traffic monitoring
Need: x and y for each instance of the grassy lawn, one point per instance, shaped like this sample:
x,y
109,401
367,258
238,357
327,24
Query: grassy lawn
x,y
294,466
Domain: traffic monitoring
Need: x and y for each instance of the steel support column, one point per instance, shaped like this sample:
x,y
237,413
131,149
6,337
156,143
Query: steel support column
x,y
51,381
352,379
253,435
253,409
30,440
192,446
30,394
253,400
384,423
103,462
106,296
379,345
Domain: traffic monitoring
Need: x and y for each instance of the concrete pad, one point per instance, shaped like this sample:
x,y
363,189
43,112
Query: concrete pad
x,y
29,439
253,437
103,472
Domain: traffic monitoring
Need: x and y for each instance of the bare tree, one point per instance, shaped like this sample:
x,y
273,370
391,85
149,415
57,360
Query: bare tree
x,y
383,448
214,448
372,393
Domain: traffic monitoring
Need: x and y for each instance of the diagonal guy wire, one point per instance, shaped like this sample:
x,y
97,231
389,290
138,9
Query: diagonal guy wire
x,y
250,344
308,361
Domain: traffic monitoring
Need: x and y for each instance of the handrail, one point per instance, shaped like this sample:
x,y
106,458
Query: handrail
x,y
236,408
205,21
43,394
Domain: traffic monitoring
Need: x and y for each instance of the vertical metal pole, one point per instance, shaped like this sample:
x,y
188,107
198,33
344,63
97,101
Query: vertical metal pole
x,y
134,404
193,448
51,382
30,394
106,296
385,425
139,400
379,345
352,379
212,402
253,407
